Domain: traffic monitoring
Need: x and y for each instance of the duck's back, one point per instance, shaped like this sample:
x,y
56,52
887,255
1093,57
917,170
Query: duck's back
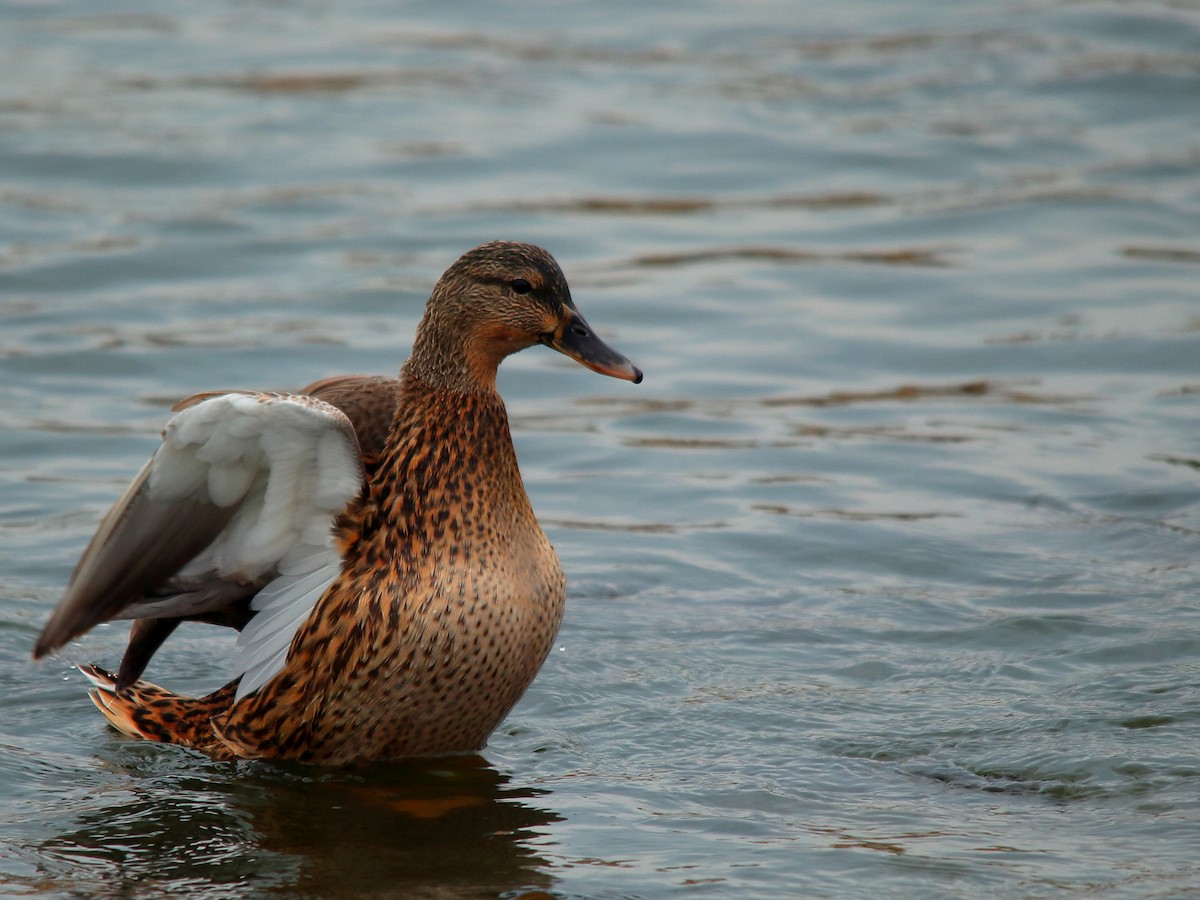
x,y
368,401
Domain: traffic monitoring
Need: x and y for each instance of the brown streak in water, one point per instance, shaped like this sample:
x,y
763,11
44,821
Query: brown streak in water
x,y
1105,64
851,515
905,392
685,205
296,83
803,432
1016,195
112,22
1183,391
694,443
1177,461
633,528
51,426
1055,336
647,405
308,82
1162,254
789,479
424,149
878,432
31,200
869,845
887,43
539,51
901,257
23,253
1004,848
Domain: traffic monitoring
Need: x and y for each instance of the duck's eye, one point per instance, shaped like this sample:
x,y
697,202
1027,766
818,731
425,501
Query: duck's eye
x,y
520,285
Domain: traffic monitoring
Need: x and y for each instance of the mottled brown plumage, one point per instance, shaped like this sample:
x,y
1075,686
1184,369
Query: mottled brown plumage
x,y
453,589
447,594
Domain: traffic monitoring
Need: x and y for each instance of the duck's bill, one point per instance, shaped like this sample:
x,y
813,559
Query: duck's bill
x,y
575,338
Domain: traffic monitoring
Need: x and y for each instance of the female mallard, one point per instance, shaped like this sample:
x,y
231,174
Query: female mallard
x,y
370,537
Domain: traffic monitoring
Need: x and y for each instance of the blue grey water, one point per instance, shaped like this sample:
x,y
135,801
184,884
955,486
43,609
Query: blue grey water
x,y
884,583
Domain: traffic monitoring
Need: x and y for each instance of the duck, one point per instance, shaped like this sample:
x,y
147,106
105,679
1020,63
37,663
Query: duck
x,y
369,538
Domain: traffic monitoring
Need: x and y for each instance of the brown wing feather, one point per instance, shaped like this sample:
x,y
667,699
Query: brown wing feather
x,y
139,545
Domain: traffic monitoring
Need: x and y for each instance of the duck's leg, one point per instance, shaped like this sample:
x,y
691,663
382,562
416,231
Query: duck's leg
x,y
147,711
145,637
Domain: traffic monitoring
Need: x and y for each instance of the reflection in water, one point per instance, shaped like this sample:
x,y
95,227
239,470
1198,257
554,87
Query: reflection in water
x,y
447,828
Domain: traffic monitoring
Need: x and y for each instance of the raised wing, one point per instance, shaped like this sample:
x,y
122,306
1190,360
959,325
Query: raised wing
x,y
369,402
244,488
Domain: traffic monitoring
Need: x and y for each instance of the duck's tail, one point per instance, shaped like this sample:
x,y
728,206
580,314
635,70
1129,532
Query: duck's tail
x,y
144,710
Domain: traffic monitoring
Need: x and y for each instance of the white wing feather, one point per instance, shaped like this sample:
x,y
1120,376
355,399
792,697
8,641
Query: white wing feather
x,y
283,606
290,464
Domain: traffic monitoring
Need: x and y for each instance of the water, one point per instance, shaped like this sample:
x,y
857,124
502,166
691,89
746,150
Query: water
x,y
882,584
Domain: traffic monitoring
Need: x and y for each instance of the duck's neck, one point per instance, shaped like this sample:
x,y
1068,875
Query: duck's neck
x,y
445,368
448,460
458,355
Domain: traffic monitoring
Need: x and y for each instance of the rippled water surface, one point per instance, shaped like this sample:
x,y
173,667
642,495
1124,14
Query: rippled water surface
x,y
883,583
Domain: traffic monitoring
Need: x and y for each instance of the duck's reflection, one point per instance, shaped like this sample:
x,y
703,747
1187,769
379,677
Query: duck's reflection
x,y
456,824
447,828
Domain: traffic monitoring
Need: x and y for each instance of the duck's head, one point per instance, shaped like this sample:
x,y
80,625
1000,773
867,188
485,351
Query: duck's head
x,y
497,299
